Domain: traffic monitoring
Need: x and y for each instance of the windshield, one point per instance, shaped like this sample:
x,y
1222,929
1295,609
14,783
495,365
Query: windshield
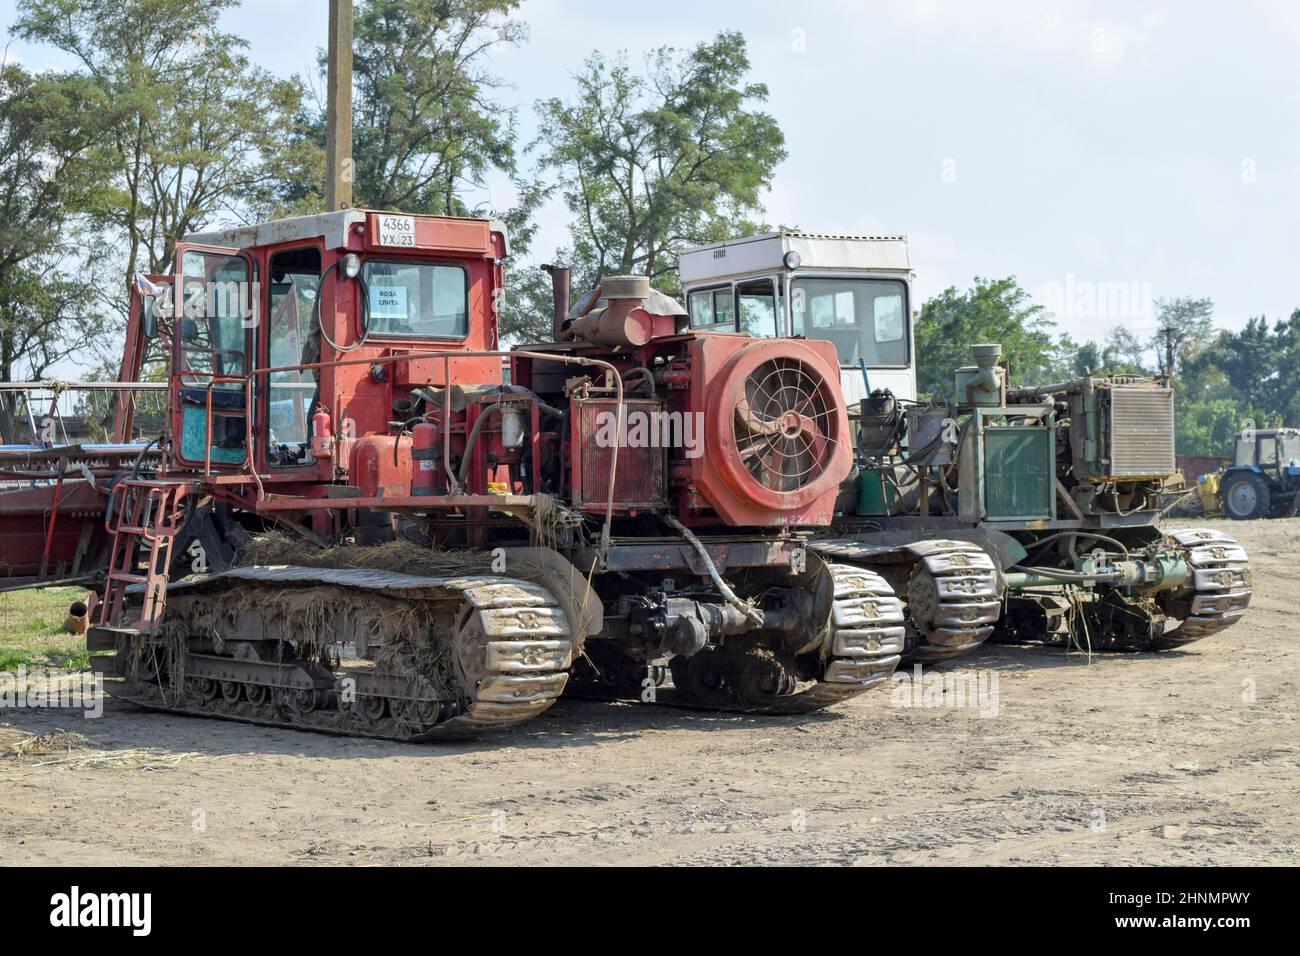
x,y
865,318
214,319
417,300
1291,450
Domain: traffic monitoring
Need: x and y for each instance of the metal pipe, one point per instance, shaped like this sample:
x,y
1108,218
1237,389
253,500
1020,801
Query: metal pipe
x,y
53,384
54,517
561,294
1075,386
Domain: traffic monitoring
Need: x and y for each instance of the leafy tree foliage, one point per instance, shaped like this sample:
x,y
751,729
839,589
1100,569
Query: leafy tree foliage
x,y
1190,325
993,310
51,180
198,132
426,122
651,161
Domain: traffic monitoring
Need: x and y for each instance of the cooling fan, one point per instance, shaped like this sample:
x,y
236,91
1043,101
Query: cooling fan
x,y
784,424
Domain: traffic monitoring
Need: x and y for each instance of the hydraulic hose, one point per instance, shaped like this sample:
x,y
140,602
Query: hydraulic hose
x,y
728,595
472,439
139,459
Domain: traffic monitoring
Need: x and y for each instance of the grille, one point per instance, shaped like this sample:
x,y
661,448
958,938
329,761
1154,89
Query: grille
x,y
785,425
642,442
1141,432
1018,473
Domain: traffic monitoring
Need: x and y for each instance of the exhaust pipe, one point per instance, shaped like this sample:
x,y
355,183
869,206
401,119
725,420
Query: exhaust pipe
x,y
561,278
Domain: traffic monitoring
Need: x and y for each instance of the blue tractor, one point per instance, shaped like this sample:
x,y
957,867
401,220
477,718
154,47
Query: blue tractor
x,y
1265,475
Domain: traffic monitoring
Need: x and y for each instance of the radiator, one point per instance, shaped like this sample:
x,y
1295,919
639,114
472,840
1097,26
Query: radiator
x,y
1141,424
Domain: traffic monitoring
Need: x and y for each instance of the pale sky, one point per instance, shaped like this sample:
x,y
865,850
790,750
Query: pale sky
x,y
1076,146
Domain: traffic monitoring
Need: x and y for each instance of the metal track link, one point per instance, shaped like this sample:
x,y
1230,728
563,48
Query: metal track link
x,y
1220,586
509,642
954,591
865,643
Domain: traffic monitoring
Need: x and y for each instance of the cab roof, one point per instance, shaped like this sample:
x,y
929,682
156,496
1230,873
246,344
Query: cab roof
x,y
332,227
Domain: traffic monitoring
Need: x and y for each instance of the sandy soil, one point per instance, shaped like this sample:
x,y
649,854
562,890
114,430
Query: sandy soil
x,y
1186,757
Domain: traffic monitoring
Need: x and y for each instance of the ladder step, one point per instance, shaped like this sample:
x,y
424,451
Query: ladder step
x,y
142,531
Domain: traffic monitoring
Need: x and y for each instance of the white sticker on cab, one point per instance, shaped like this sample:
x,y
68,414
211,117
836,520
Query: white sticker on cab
x,y
388,302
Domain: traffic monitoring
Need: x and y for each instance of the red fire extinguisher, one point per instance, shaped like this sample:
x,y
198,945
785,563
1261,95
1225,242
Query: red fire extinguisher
x,y
322,438
425,459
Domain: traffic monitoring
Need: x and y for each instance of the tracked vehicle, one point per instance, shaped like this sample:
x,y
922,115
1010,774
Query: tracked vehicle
x,y
1004,512
363,517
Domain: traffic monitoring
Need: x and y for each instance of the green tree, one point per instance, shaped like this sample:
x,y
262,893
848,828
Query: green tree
x,y
649,162
1190,325
200,131
527,307
1125,352
426,123
993,310
1262,367
51,180
1207,428
1088,357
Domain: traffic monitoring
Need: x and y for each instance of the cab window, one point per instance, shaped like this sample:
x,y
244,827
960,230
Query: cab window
x,y
215,317
1291,451
417,300
294,334
866,319
759,308
217,312
713,309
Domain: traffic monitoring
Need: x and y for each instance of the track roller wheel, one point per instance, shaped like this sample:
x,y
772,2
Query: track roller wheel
x,y
204,690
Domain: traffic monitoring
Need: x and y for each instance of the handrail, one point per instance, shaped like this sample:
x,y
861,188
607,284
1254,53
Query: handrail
x,y
55,385
213,380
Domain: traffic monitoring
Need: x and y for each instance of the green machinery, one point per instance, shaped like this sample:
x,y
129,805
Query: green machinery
x,y
1061,485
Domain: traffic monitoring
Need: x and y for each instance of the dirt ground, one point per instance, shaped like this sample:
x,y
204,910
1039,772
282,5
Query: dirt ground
x,y
1188,757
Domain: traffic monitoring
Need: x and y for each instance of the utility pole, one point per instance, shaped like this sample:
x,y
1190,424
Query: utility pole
x,y
1169,333
338,108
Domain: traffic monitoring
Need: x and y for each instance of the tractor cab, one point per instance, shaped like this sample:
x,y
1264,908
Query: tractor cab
x,y
1275,450
854,291
285,334
1265,475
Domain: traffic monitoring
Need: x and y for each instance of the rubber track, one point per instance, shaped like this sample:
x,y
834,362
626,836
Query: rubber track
x,y
1221,583
955,584
521,652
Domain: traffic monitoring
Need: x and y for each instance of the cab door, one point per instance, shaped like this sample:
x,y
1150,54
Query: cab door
x,y
216,311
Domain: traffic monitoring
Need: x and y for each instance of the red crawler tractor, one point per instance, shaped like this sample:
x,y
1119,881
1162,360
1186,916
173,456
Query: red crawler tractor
x,y
462,531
